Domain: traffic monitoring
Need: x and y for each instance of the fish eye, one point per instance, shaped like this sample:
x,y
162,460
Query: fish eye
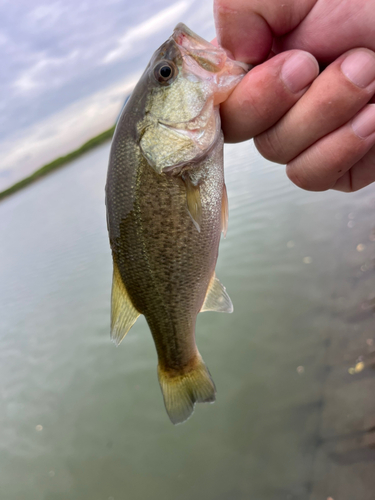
x,y
165,72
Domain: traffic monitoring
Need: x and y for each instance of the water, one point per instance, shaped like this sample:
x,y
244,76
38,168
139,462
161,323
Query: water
x,y
83,420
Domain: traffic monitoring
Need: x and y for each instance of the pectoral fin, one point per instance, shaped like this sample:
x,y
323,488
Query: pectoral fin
x,y
193,200
224,211
217,298
123,313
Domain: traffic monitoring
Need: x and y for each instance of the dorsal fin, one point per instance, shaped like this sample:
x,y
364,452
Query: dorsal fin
x,y
193,200
217,298
224,211
123,313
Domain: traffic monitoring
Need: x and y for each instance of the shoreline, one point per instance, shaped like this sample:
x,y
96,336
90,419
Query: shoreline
x,y
59,162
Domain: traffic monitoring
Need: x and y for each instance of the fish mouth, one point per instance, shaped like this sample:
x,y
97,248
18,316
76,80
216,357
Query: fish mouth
x,y
208,56
206,62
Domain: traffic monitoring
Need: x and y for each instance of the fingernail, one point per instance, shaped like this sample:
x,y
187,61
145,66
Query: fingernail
x,y
359,67
364,123
299,70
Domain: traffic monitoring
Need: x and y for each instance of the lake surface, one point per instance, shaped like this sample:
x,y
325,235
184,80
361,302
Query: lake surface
x,y
295,414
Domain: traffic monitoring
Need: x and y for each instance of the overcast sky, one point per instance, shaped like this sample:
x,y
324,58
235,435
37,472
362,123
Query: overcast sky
x,y
67,66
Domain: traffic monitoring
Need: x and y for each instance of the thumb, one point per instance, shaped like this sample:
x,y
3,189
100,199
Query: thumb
x,y
246,27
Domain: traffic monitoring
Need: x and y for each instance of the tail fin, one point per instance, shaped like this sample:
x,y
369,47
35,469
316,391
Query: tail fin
x,y
182,390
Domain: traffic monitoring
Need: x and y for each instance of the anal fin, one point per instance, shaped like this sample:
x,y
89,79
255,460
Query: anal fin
x,y
123,313
217,298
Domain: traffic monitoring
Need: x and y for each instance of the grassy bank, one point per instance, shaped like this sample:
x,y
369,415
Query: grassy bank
x,y
59,162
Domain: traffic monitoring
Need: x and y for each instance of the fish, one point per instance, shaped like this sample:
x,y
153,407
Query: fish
x,y
167,206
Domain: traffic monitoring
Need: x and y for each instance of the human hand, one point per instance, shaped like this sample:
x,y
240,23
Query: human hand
x,y
322,127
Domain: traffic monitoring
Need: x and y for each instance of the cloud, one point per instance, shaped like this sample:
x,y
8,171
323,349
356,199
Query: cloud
x,y
47,13
3,39
48,69
144,30
62,62
63,132
43,73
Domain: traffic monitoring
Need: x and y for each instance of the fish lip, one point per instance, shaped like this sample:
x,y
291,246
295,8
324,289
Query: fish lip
x,y
199,49
182,33
182,29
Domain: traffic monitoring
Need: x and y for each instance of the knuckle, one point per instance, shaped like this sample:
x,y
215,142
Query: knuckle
x,y
298,178
224,7
270,145
305,177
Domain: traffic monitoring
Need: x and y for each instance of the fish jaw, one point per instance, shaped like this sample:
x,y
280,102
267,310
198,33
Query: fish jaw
x,y
169,146
208,62
203,131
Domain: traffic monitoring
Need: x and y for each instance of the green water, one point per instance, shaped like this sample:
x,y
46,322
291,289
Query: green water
x,y
83,420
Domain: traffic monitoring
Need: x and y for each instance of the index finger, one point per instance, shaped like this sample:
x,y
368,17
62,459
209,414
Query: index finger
x,y
246,27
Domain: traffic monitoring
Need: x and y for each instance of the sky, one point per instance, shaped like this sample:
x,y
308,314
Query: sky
x,y
68,65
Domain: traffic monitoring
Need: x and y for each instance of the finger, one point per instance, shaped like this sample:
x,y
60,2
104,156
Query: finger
x,y
266,93
333,99
246,27
331,28
339,159
359,176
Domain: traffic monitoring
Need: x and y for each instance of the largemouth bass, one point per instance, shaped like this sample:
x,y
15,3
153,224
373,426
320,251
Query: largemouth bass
x,y
166,207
